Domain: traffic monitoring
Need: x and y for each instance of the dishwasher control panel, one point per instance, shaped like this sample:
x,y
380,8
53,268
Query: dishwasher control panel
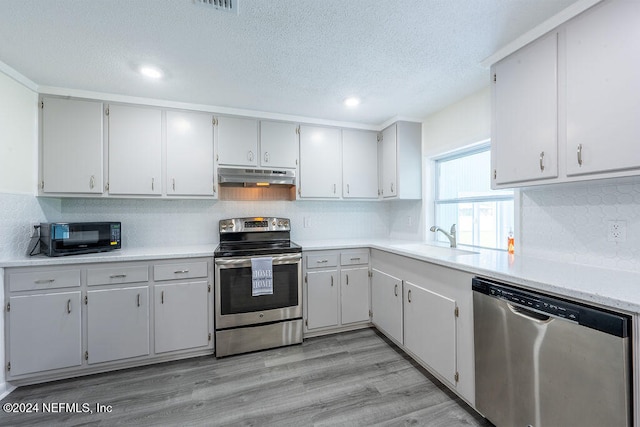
x,y
545,305
617,324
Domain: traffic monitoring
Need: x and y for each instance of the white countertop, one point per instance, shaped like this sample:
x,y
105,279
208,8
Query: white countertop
x,y
619,290
133,254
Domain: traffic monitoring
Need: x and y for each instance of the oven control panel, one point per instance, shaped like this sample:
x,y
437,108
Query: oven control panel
x,y
254,224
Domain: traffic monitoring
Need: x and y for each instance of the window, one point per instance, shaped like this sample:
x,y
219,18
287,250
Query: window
x,y
463,196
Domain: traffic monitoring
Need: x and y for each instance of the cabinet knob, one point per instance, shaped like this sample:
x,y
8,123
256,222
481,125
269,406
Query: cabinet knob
x,y
542,161
92,182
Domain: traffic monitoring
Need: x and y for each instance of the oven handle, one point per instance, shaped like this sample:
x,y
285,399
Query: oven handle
x,y
279,259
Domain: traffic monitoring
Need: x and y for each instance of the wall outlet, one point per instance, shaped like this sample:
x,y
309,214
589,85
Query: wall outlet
x,y
617,231
306,222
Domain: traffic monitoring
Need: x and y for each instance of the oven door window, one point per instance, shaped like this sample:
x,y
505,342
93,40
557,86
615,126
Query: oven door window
x,y
235,290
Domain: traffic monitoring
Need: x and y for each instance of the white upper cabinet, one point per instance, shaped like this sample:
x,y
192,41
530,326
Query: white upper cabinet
x,y
189,154
389,160
401,161
237,141
359,164
320,162
135,150
603,111
71,155
525,114
278,145
565,106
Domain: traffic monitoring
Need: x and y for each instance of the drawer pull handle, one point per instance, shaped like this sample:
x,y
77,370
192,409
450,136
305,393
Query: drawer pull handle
x,y
542,161
162,297
579,154
322,261
118,276
347,279
41,281
332,281
395,290
355,259
138,300
409,295
68,306
181,271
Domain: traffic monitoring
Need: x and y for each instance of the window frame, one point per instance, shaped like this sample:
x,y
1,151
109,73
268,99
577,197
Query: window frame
x,y
504,195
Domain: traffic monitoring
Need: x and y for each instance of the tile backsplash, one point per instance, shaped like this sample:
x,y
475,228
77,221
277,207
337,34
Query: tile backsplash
x,y
569,222
188,222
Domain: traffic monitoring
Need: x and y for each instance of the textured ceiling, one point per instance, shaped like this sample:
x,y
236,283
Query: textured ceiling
x,y
404,58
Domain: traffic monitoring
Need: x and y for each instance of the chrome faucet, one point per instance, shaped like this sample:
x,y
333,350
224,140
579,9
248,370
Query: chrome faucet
x,y
451,235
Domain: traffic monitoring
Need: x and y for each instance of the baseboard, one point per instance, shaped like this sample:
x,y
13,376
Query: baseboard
x,y
5,389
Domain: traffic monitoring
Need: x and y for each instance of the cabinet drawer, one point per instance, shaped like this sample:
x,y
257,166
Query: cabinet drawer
x,y
116,275
185,270
354,258
44,279
322,260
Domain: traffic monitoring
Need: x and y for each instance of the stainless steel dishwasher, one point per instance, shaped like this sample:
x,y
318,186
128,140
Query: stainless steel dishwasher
x,y
543,361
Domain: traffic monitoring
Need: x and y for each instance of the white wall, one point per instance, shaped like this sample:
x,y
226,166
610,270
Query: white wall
x,y
18,144
18,137
463,123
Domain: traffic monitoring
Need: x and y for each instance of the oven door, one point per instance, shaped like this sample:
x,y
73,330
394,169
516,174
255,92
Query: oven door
x,y
234,304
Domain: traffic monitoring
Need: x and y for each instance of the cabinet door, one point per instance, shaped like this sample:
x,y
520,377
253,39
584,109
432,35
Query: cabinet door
x,y
354,298
603,112
237,141
278,145
320,162
430,329
386,304
389,161
525,128
71,146
322,299
135,150
189,154
44,332
181,316
117,323
360,164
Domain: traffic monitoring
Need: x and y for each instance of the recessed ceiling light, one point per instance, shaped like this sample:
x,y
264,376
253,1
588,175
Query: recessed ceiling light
x,y
151,72
352,101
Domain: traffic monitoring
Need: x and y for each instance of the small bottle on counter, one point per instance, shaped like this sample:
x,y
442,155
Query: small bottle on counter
x,y
511,247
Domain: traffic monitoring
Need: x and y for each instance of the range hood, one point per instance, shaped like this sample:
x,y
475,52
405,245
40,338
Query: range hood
x,y
256,177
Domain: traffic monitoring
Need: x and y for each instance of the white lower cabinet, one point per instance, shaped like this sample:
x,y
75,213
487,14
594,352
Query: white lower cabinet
x,y
70,320
322,297
431,319
386,304
117,323
336,290
354,295
430,329
44,332
181,312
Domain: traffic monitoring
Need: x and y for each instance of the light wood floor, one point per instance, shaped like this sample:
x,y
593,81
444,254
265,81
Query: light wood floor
x,y
353,378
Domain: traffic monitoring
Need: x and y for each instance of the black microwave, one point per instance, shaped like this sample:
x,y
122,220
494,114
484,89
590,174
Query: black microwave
x,y
72,238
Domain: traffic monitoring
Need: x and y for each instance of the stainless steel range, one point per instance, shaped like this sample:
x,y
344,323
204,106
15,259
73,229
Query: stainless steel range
x,y
258,286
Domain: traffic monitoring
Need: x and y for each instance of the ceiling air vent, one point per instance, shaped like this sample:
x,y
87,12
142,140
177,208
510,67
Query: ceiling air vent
x,y
230,6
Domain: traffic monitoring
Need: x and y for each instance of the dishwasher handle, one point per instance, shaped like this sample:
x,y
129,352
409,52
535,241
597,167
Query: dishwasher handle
x,y
529,314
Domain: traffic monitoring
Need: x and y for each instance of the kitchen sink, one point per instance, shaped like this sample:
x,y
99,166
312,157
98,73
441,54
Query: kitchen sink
x,y
433,250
